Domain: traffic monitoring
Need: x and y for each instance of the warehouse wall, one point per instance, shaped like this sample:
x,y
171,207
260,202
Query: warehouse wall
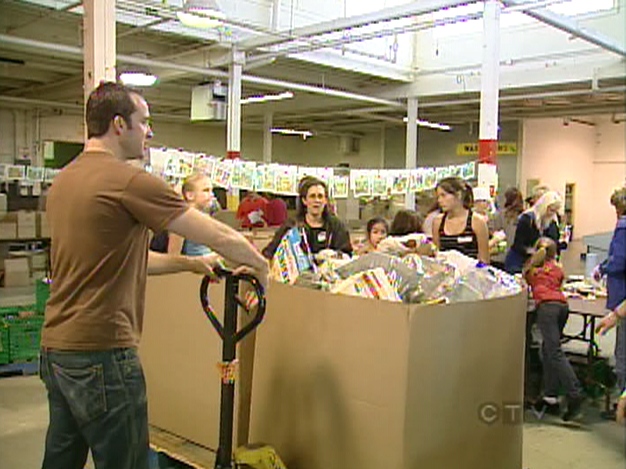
x,y
209,138
592,157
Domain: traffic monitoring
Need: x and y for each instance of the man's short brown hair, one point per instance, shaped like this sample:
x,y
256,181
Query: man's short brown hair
x,y
108,100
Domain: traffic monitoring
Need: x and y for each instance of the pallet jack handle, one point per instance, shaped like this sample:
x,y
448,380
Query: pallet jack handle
x,y
232,287
230,337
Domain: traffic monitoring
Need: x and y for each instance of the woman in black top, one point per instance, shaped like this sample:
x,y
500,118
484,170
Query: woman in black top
x,y
538,221
458,227
321,230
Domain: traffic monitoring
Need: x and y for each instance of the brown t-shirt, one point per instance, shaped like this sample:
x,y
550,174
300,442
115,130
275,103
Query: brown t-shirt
x,y
99,210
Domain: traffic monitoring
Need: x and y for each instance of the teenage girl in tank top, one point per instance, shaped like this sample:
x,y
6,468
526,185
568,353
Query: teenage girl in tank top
x,y
458,227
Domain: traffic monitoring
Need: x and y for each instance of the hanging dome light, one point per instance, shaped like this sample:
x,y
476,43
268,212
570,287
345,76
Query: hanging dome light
x,y
201,14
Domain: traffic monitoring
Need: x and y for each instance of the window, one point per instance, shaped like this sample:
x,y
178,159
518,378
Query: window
x,y
568,8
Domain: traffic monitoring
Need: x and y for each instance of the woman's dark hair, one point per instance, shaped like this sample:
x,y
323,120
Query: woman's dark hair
x,y
459,188
108,100
406,222
513,202
376,221
303,189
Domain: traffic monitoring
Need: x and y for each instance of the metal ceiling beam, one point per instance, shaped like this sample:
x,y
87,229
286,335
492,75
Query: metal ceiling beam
x,y
565,24
415,8
269,82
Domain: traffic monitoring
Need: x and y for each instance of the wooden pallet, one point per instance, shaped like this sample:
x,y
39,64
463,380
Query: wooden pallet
x,y
180,449
21,368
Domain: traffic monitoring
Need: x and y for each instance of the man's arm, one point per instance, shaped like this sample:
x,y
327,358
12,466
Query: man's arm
x,y
221,238
160,264
175,244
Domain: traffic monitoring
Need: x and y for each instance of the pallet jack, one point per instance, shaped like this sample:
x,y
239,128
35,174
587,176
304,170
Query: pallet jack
x,y
256,456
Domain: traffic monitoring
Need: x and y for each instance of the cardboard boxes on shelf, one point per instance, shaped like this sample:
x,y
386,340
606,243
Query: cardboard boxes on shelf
x,y
42,225
16,272
8,226
26,224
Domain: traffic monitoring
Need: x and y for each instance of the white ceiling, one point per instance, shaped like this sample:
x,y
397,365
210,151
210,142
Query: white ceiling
x,y
30,76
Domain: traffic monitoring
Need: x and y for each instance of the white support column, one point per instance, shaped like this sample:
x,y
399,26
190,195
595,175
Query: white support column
x,y
233,125
268,120
383,137
411,145
276,15
99,43
490,87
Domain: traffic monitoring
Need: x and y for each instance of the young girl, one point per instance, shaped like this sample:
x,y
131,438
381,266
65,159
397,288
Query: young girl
x,y
458,227
545,277
377,229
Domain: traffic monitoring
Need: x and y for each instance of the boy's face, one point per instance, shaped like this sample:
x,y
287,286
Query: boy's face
x,y
202,195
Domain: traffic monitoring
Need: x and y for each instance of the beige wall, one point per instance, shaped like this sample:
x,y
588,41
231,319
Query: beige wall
x,y
322,150
591,157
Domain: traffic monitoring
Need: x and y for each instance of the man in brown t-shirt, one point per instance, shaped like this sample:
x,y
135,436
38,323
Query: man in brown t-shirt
x,y
100,209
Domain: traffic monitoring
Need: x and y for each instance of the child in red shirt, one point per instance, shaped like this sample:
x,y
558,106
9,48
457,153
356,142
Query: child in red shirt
x,y
545,277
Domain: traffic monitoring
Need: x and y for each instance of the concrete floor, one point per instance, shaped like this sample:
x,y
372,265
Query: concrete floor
x,y
548,444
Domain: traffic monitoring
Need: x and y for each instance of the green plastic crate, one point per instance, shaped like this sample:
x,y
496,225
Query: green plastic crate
x,y
24,338
5,354
42,293
10,312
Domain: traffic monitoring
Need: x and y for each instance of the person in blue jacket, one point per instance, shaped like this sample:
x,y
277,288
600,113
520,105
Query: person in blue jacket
x,y
614,267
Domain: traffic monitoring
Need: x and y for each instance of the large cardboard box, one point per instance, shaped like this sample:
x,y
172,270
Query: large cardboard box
x,y
342,382
180,351
16,272
26,224
349,382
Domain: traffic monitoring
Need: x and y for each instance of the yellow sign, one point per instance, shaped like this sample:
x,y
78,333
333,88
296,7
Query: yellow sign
x,y
471,149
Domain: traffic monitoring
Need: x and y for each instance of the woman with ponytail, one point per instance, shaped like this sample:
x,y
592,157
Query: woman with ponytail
x,y
545,277
458,227
541,220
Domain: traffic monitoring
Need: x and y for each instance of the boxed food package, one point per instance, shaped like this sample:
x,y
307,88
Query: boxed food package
x,y
16,272
26,224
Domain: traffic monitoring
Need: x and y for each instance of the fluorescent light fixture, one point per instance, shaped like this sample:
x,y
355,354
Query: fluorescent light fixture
x,y
138,78
267,97
430,125
201,14
302,133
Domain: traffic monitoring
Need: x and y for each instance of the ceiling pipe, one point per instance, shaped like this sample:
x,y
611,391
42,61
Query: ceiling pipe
x,y
313,45
269,82
415,8
565,24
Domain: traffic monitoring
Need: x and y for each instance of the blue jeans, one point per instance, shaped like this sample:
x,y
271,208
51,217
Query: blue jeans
x,y
97,402
557,370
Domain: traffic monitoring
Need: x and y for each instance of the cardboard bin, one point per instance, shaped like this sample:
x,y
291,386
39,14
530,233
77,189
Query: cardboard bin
x,y
343,382
180,351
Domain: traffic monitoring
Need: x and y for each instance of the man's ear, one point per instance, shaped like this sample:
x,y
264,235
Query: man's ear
x,y
118,124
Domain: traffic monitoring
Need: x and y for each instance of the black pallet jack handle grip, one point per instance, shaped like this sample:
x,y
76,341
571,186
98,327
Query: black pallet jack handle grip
x,y
208,310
